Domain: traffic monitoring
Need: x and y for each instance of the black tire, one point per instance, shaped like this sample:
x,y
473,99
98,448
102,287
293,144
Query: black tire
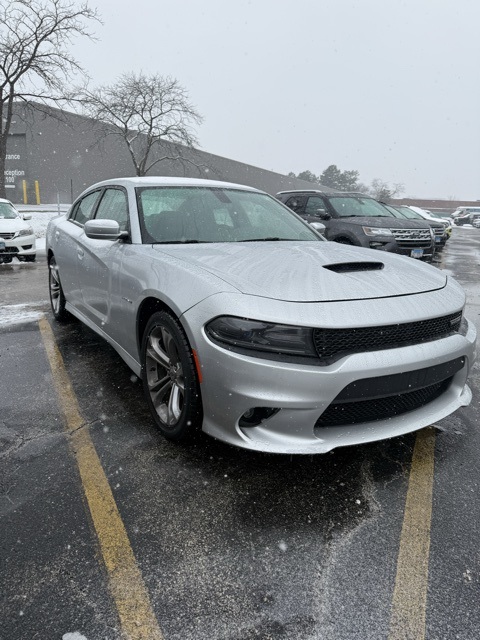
x,y
170,379
57,297
343,240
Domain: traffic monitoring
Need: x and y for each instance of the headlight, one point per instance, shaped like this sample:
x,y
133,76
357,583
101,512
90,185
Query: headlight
x,y
25,232
240,333
376,231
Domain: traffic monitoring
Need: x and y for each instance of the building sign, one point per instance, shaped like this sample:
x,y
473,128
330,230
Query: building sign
x,y
15,166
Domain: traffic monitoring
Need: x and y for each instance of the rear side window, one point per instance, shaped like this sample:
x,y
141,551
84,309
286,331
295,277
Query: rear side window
x,y
84,209
296,203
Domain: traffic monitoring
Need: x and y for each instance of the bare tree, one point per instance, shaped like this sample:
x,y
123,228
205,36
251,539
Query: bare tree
x,y
148,113
383,191
34,60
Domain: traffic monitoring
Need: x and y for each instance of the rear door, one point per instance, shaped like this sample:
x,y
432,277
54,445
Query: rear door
x,y
66,245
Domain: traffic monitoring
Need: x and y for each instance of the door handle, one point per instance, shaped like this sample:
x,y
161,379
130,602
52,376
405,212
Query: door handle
x,y
57,235
80,253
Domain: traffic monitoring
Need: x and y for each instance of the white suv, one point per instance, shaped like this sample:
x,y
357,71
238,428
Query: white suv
x,y
17,239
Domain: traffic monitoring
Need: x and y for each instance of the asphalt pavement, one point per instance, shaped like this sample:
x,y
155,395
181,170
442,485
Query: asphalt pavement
x,y
366,542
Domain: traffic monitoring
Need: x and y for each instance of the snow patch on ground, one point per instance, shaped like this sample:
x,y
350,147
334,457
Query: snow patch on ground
x,y
20,313
73,636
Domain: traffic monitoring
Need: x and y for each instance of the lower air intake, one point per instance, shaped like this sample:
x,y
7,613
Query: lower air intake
x,y
346,413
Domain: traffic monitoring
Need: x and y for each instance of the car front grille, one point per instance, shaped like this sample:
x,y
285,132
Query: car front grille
x,y
409,238
332,344
6,236
438,231
371,399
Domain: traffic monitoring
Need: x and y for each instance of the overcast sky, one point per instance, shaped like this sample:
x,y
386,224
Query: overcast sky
x,y
388,87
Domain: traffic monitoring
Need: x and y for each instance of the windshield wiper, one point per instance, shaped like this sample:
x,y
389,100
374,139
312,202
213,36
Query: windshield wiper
x,y
273,239
178,241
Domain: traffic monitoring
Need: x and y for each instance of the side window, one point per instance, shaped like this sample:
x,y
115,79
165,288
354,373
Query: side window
x,y
296,203
314,203
113,206
83,210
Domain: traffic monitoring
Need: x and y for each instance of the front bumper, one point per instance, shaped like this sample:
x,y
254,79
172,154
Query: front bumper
x,y
234,383
384,243
18,247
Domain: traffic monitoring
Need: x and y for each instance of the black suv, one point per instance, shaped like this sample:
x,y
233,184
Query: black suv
x,y
353,218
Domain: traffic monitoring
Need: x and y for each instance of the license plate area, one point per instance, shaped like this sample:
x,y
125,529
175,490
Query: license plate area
x,y
416,253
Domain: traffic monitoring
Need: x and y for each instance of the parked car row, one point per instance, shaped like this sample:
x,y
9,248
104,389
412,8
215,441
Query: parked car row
x,y
242,320
17,239
429,217
359,220
440,228
466,215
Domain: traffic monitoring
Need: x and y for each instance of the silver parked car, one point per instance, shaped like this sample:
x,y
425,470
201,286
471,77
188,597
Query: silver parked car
x,y
243,321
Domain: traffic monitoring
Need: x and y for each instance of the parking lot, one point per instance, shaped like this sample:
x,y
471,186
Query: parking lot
x,y
109,531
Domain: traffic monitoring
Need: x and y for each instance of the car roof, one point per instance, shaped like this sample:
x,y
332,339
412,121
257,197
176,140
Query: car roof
x,y
167,181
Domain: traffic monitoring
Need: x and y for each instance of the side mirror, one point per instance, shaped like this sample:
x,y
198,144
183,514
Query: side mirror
x,y
104,230
27,216
318,226
321,213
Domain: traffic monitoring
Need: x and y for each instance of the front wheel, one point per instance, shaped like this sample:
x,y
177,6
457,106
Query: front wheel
x,y
170,378
57,297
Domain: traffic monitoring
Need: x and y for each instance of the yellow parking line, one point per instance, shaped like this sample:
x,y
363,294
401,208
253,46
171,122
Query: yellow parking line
x,y
409,604
129,593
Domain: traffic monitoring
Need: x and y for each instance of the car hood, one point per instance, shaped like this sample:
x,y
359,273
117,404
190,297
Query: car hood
x,y
12,225
310,271
386,222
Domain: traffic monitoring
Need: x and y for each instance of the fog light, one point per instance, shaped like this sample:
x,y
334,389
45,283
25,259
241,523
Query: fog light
x,y
257,415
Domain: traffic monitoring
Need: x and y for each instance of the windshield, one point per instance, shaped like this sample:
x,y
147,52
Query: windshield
x,y
403,212
7,211
204,214
347,207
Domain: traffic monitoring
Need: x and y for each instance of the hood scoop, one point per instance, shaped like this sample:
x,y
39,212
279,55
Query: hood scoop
x,y
348,267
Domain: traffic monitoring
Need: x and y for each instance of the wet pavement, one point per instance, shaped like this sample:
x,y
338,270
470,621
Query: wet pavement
x,y
232,545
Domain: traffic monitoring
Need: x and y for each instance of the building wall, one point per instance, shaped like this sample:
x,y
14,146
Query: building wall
x,y
66,153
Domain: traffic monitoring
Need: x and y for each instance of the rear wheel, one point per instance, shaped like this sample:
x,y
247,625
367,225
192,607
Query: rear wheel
x,y
57,297
170,379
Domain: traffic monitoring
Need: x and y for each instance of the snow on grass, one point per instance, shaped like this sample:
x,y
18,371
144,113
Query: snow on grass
x,y
41,216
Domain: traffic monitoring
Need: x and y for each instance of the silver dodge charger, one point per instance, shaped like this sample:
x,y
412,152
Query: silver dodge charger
x,y
241,319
